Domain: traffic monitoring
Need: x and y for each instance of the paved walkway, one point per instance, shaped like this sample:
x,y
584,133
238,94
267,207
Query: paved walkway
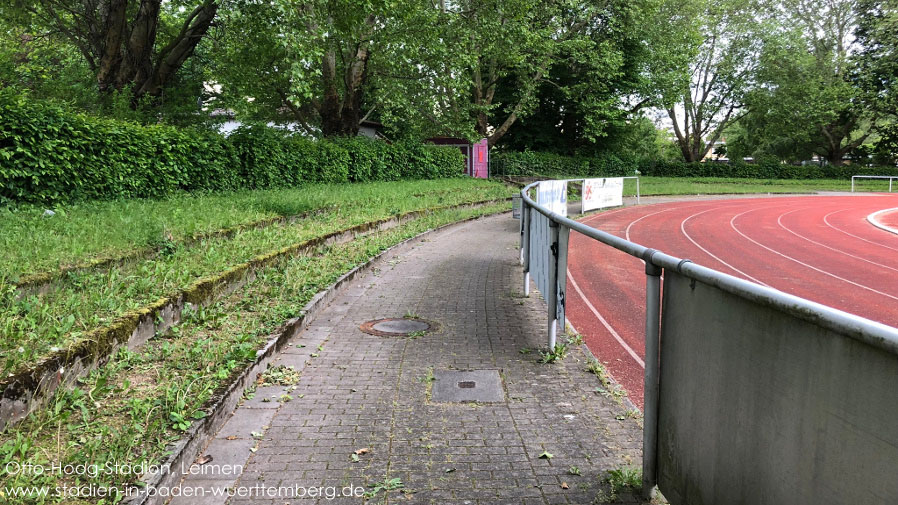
x,y
363,412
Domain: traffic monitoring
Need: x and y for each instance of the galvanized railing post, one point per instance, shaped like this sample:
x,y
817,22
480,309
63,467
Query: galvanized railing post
x,y
652,373
552,295
525,244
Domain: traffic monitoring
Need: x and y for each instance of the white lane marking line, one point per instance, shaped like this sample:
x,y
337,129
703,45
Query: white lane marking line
x,y
779,221
709,253
607,213
671,206
874,220
826,220
608,371
627,231
602,320
812,267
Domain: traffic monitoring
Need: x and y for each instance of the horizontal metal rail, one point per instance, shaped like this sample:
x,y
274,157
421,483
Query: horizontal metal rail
x,y
872,333
581,179
889,177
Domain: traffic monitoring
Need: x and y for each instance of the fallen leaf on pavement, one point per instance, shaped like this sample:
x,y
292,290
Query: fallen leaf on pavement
x,y
202,460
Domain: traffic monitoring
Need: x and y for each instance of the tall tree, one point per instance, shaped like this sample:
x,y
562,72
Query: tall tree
x,y
327,64
517,44
808,100
877,74
704,70
137,44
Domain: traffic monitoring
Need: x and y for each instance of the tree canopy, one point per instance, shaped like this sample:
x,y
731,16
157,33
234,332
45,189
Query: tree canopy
x,y
790,79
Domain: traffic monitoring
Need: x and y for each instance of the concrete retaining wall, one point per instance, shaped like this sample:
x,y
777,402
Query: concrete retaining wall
x,y
760,407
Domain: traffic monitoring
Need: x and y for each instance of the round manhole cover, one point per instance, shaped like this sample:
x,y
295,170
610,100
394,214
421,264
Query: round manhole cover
x,y
395,327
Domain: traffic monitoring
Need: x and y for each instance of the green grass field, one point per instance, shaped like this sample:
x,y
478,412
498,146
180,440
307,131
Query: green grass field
x,y
133,407
83,300
78,233
716,185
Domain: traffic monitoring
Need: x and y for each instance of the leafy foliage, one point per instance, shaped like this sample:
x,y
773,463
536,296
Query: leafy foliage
x,y
531,163
807,101
50,155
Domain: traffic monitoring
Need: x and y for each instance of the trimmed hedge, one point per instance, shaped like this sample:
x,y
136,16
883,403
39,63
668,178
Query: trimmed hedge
x,y
534,164
50,155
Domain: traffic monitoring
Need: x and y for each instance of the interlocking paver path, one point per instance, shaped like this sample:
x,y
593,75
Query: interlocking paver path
x,y
372,394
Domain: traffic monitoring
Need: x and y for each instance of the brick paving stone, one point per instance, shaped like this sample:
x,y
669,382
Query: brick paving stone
x,y
374,393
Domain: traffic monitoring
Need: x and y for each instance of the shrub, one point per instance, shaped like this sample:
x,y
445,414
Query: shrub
x,y
49,155
536,164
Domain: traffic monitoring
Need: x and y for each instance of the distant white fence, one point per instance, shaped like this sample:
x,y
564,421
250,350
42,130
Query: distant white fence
x,y
889,177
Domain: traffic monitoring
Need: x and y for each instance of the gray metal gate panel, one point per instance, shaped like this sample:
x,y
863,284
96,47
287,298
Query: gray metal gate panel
x,y
547,265
539,251
758,406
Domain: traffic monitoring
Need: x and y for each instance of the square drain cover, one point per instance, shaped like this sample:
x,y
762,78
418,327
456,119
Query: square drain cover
x,y
467,386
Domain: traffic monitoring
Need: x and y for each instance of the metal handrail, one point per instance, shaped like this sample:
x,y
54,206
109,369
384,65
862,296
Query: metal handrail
x,y
864,330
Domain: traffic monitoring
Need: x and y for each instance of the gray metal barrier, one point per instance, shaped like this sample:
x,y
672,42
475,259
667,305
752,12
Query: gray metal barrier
x,y
752,396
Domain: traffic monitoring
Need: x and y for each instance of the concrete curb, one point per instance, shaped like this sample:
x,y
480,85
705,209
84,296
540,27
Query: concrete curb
x,y
183,452
874,220
27,389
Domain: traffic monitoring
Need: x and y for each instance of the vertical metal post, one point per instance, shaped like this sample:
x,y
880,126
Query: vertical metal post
x,y
890,184
552,295
525,244
583,196
852,184
564,236
637,190
652,373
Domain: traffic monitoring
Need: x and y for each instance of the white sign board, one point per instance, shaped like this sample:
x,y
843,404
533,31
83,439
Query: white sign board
x,y
599,193
553,196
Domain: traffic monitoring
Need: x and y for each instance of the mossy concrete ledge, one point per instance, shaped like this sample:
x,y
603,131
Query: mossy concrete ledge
x,y
182,453
41,283
28,389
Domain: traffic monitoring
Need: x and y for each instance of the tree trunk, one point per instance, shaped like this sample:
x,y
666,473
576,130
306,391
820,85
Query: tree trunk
x,y
330,110
503,129
138,64
355,79
173,56
341,116
110,58
352,114
835,157
122,53
483,124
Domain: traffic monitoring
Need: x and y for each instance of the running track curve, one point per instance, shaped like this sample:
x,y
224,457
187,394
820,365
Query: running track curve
x,y
817,247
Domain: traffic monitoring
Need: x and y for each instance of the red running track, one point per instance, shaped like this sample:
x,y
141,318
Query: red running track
x,y
817,247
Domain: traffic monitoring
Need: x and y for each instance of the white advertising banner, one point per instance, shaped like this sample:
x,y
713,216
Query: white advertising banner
x,y
553,196
599,193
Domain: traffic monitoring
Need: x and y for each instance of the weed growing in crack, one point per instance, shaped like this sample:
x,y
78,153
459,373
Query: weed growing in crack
x,y
554,355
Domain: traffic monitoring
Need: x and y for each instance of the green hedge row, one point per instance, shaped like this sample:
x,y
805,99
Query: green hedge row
x,y
535,164
49,155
